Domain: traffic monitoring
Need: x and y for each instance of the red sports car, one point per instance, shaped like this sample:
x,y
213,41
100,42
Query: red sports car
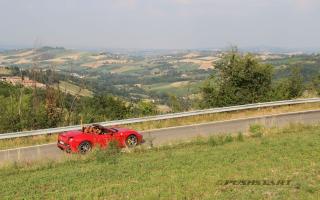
x,y
84,140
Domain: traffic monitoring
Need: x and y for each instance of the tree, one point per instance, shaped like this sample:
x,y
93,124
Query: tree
x,y
316,84
53,107
145,108
104,107
175,104
296,86
238,79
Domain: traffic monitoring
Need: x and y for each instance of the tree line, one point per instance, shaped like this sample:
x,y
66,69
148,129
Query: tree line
x,y
31,108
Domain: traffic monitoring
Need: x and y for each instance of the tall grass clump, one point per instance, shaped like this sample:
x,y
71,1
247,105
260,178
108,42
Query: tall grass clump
x,y
256,130
212,141
240,137
109,155
228,139
220,140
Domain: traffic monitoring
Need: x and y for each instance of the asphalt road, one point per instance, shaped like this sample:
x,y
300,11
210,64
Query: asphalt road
x,y
170,135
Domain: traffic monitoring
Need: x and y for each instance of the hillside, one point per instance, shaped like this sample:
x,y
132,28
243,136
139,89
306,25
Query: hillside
x,y
116,71
141,75
282,164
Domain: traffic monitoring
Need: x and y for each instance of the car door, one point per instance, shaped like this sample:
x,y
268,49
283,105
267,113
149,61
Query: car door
x,y
118,136
104,138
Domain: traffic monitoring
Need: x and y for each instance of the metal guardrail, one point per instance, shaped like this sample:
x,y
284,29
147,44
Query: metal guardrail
x,y
161,117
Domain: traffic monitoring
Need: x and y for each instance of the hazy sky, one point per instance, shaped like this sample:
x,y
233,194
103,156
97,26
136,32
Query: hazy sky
x,y
160,23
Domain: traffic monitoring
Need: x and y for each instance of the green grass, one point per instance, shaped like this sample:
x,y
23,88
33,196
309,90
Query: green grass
x,y
289,60
184,171
128,69
4,71
73,89
187,67
186,88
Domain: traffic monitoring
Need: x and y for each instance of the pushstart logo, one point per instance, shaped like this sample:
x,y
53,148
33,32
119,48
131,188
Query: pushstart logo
x,y
255,182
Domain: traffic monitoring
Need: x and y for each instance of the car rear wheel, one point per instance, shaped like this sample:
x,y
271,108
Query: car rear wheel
x,y
84,147
131,141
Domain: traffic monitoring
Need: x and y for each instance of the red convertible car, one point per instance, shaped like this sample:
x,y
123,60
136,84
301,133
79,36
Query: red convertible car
x,y
84,140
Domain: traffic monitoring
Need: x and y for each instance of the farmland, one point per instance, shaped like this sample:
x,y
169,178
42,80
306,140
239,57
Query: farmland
x,y
72,89
157,75
4,71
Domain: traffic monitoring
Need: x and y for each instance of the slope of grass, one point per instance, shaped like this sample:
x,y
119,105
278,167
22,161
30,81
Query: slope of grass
x,y
27,141
185,171
180,88
73,89
4,71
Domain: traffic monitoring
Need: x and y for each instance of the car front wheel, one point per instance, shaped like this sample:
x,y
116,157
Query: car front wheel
x,y
131,141
84,147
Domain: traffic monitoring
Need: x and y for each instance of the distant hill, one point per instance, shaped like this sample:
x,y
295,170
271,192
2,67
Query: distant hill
x,y
150,74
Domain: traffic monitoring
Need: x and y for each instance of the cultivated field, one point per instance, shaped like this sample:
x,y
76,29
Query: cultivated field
x,y
73,89
4,71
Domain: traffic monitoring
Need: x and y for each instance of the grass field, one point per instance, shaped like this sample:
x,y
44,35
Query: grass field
x,y
201,169
26,141
180,88
73,89
4,71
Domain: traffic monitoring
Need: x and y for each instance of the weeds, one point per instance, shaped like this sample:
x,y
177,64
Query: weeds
x,y
108,155
199,141
228,139
212,141
240,137
220,140
256,130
